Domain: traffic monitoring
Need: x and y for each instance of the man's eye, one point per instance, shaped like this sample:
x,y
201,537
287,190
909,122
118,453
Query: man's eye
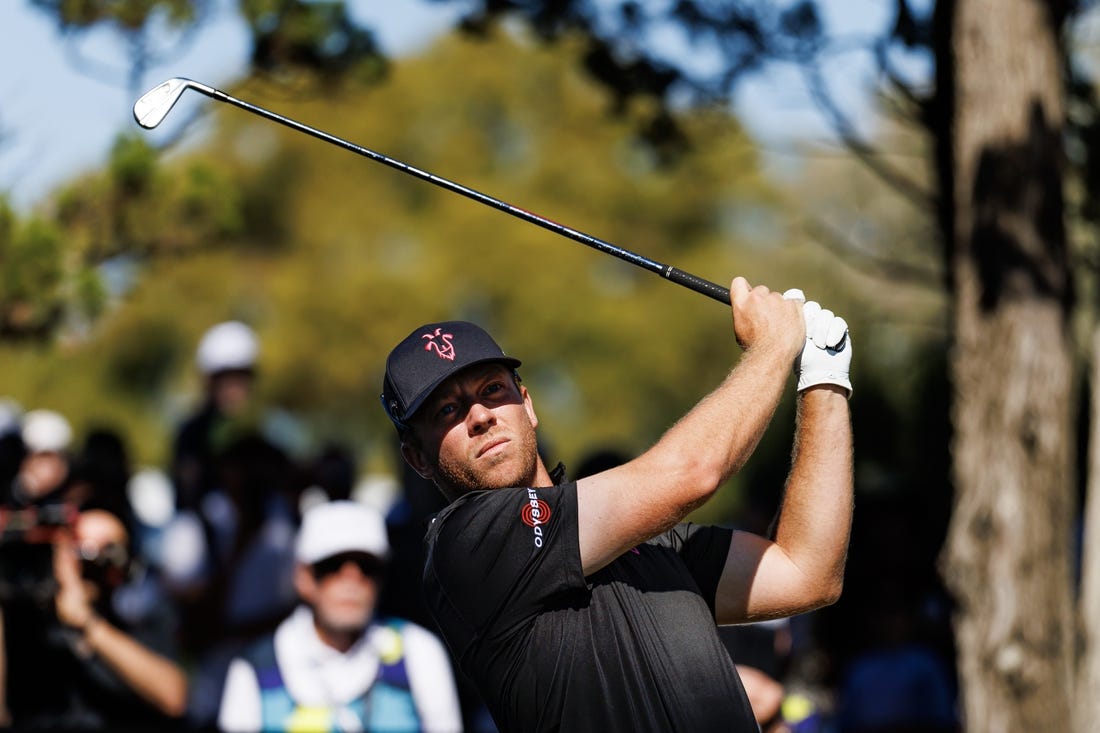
x,y
492,388
446,410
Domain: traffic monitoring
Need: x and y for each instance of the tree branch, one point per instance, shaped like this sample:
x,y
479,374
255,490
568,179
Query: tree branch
x,y
845,130
890,269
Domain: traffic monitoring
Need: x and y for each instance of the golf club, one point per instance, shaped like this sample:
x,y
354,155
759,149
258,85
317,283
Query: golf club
x,y
153,106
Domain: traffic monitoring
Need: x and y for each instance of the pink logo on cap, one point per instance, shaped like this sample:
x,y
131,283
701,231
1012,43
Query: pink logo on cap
x,y
444,350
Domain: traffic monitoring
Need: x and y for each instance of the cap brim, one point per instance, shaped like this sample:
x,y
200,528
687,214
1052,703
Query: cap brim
x,y
419,400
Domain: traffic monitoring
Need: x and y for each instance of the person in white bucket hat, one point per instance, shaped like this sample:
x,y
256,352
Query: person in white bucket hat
x,y
333,665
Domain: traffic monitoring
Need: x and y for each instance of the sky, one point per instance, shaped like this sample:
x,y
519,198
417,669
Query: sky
x,y
60,112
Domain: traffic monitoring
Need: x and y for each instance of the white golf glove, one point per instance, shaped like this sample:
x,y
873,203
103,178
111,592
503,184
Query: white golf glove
x,y
827,355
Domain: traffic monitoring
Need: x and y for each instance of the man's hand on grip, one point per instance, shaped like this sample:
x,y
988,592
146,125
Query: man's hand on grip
x,y
827,354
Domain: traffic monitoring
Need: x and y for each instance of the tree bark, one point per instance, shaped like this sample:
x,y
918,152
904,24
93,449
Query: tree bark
x,y
1086,703
1007,559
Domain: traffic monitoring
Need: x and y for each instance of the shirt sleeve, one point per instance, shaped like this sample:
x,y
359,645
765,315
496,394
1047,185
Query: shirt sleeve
x,y
431,680
501,556
240,706
703,549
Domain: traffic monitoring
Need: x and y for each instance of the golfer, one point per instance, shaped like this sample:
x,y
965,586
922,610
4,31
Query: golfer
x,y
590,605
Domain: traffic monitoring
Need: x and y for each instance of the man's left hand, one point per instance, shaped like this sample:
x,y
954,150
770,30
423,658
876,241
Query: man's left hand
x,y
827,354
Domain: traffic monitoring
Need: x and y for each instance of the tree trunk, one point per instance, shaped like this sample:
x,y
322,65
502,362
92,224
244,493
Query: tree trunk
x,y
1007,558
1086,703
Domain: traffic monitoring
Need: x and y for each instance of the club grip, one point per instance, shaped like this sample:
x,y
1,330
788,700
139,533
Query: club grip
x,y
698,284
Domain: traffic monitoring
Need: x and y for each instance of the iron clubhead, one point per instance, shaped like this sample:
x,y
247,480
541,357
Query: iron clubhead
x,y
153,106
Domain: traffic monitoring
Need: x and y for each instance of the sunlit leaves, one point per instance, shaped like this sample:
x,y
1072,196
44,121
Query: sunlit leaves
x,y
136,209
317,36
132,165
31,275
127,14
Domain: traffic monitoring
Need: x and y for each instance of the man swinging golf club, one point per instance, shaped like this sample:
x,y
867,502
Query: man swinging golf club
x,y
588,605
591,605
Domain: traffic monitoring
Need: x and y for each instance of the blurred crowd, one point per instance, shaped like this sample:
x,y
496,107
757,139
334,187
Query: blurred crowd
x,y
249,587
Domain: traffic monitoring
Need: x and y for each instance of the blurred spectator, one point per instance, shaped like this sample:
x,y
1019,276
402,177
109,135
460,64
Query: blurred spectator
x,y
146,595
101,478
35,504
897,683
334,665
152,498
226,359
100,472
73,662
229,564
45,468
226,554
330,476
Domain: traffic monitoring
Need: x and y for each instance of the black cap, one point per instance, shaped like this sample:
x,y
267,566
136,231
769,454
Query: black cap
x,y
427,357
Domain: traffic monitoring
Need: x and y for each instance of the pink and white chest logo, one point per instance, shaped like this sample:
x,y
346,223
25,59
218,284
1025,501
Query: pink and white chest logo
x,y
443,348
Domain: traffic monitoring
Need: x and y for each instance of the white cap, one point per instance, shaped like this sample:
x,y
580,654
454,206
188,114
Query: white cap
x,y
228,345
335,527
46,431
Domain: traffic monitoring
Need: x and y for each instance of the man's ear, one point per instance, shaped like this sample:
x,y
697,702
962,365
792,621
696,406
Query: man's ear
x,y
529,406
304,583
415,457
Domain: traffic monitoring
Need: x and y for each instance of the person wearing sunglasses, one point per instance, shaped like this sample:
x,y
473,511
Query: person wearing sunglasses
x,y
333,664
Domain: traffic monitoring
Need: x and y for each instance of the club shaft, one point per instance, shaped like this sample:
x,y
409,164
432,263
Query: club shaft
x,y
668,272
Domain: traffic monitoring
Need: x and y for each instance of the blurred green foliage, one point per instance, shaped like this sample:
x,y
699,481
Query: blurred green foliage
x,y
32,274
126,14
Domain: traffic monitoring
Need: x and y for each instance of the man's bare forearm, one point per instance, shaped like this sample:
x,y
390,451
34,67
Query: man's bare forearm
x,y
816,518
157,679
631,503
724,428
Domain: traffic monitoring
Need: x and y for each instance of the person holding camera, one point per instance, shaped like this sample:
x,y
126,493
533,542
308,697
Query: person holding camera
x,y
73,661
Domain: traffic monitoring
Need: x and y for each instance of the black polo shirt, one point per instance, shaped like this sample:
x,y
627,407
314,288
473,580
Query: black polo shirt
x,y
634,647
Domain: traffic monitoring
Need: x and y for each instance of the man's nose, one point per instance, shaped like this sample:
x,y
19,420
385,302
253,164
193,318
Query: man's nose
x,y
479,418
